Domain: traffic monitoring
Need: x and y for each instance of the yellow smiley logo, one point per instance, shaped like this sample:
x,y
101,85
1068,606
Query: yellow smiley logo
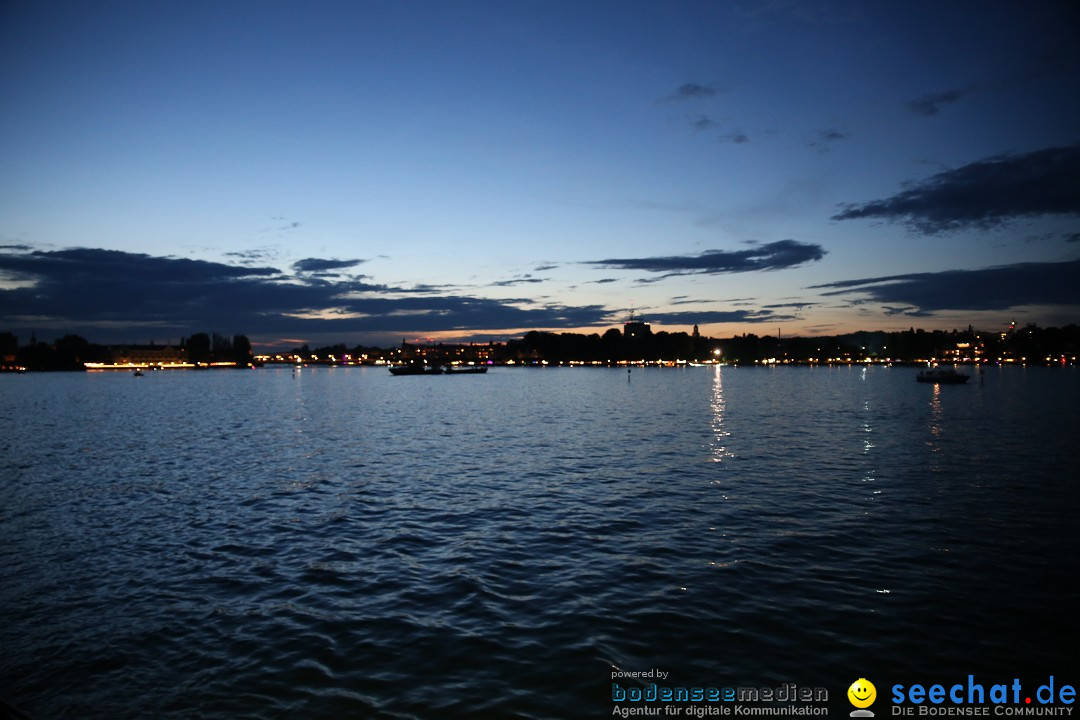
x,y
862,693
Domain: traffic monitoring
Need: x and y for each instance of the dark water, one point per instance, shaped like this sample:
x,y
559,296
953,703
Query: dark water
x,y
349,544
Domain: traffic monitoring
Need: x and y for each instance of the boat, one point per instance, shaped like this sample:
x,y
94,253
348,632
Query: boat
x,y
465,370
138,373
415,369
942,376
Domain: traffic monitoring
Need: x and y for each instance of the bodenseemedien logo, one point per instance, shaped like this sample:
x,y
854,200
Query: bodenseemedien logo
x,y
862,694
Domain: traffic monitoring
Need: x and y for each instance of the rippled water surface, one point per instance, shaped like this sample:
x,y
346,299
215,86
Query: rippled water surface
x,y
343,543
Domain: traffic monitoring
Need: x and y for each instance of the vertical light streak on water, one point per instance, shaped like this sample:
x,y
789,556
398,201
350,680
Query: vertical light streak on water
x,y
936,417
717,404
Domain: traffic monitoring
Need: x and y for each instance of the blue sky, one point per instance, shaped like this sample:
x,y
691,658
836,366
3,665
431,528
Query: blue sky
x,y
367,171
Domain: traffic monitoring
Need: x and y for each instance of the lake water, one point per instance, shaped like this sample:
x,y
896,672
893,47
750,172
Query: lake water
x,y
346,544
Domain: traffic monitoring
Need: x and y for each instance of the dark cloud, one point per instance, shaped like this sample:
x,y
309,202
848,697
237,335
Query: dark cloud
x,y
426,289
695,90
984,194
90,291
319,265
770,256
92,286
702,122
77,265
905,310
930,105
708,317
692,91
516,281
994,288
824,139
255,256
287,226
542,268
796,305
245,255
1073,237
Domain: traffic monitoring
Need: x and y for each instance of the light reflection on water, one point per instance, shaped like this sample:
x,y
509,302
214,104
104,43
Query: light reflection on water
x,y
936,416
346,544
720,433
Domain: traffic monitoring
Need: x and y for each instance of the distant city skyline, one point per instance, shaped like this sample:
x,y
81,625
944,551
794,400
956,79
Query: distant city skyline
x,y
363,172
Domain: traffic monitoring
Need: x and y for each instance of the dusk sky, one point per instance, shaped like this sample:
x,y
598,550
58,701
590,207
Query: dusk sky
x,y
367,171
